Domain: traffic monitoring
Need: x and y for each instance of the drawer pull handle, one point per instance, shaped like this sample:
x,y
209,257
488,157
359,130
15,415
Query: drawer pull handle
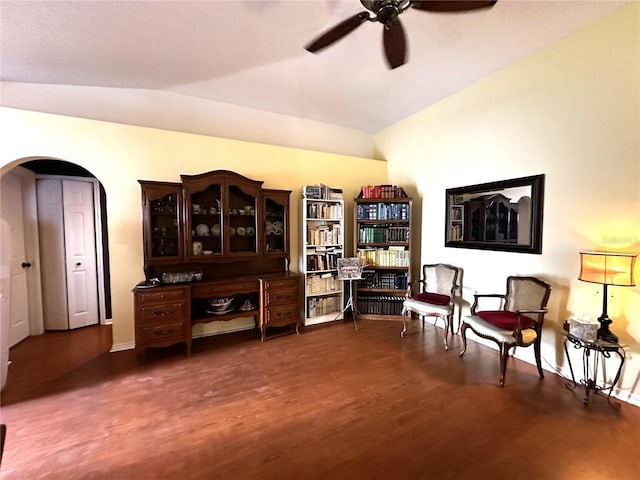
x,y
164,313
283,314
163,333
283,297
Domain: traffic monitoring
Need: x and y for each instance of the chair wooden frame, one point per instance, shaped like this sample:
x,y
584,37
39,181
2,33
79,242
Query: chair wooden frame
x,y
424,309
507,339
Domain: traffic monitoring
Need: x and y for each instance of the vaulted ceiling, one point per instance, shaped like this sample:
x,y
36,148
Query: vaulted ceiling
x,y
249,54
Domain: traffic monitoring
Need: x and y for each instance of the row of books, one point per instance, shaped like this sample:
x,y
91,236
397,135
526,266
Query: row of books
x,y
380,305
325,283
388,280
392,257
383,211
317,306
383,234
330,211
322,192
324,235
323,261
382,191
455,233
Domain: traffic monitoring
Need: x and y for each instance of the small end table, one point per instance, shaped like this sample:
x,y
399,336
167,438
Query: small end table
x,y
594,353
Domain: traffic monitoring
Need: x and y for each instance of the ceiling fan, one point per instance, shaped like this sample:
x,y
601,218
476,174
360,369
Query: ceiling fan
x,y
387,12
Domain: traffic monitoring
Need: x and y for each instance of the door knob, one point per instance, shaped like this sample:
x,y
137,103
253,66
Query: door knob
x,y
78,264
25,264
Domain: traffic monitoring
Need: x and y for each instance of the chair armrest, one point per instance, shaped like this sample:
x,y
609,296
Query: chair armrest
x,y
477,296
409,292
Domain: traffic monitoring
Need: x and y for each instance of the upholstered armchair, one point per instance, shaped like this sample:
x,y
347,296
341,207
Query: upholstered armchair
x,y
433,296
517,323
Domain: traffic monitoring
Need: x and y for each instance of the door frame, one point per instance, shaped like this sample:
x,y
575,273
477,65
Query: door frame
x,y
97,216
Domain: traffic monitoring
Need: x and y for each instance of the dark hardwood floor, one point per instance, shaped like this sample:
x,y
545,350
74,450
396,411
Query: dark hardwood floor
x,y
331,403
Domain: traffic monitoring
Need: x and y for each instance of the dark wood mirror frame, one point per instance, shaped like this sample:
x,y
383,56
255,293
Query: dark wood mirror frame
x,y
493,216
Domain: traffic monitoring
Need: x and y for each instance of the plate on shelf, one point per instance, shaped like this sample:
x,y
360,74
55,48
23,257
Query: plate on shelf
x,y
202,230
219,312
278,228
269,228
215,230
240,231
250,230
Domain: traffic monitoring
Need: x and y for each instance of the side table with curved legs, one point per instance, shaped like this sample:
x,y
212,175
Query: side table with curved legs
x,y
594,353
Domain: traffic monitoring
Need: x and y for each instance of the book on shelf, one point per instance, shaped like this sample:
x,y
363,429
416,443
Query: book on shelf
x,y
382,191
322,192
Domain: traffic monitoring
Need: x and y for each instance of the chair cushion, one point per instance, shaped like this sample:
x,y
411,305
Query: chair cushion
x,y
432,298
505,319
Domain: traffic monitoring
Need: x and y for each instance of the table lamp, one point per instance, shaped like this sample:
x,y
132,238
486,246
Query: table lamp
x,y
607,268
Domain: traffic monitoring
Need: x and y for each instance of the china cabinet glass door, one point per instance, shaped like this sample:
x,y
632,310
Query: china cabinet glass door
x,y
205,218
162,226
242,227
276,208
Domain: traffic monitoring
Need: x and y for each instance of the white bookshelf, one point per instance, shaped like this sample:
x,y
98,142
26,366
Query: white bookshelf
x,y
322,244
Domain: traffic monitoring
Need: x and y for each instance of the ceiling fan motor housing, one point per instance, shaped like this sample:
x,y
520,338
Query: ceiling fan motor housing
x,y
386,11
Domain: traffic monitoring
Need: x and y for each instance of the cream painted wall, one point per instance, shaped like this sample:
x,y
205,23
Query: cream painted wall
x,y
118,155
571,112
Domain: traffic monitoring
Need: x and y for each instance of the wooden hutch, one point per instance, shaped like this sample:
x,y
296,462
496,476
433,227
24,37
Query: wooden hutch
x,y
216,247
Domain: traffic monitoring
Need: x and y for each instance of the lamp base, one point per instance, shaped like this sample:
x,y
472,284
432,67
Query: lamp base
x,y
604,333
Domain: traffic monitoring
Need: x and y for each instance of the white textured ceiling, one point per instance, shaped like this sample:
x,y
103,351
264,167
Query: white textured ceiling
x,y
250,53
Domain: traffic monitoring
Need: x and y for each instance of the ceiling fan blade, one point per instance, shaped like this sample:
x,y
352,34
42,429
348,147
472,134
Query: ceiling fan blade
x,y
395,43
452,5
336,33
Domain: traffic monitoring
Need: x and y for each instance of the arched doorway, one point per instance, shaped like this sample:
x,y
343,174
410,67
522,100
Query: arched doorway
x,y
29,172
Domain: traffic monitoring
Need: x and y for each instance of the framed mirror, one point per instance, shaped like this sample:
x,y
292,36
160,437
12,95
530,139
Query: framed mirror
x,y
504,215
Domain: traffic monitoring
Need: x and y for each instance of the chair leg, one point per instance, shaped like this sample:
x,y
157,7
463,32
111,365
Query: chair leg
x,y
536,349
463,332
504,356
446,332
404,322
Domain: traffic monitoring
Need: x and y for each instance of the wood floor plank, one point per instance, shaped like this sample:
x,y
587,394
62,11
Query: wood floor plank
x,y
333,402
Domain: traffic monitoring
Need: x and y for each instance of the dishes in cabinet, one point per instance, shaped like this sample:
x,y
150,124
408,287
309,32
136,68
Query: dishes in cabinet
x,y
219,306
241,231
202,230
250,231
215,230
278,228
269,228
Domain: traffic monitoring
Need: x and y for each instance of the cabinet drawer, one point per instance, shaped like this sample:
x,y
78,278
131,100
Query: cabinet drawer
x,y
281,282
280,296
162,332
282,315
162,296
163,313
224,289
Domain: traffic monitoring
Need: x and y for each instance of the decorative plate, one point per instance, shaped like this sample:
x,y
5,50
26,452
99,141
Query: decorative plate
x,y
202,230
215,230
250,230
240,231
278,228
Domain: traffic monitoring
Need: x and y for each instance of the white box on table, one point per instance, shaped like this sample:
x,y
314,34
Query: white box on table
x,y
584,328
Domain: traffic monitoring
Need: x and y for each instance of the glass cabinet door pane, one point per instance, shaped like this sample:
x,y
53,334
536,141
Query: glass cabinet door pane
x,y
206,222
165,239
275,228
242,221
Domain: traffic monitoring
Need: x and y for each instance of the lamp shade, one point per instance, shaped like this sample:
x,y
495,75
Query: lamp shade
x,y
607,268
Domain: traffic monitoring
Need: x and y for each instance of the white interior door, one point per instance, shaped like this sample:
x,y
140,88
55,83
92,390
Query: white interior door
x,y
80,247
52,254
17,295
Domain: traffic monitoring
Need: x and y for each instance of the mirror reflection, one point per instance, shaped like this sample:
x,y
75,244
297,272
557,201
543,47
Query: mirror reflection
x,y
505,215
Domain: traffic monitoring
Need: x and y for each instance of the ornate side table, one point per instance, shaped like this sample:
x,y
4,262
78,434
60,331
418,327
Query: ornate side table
x,y
594,353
